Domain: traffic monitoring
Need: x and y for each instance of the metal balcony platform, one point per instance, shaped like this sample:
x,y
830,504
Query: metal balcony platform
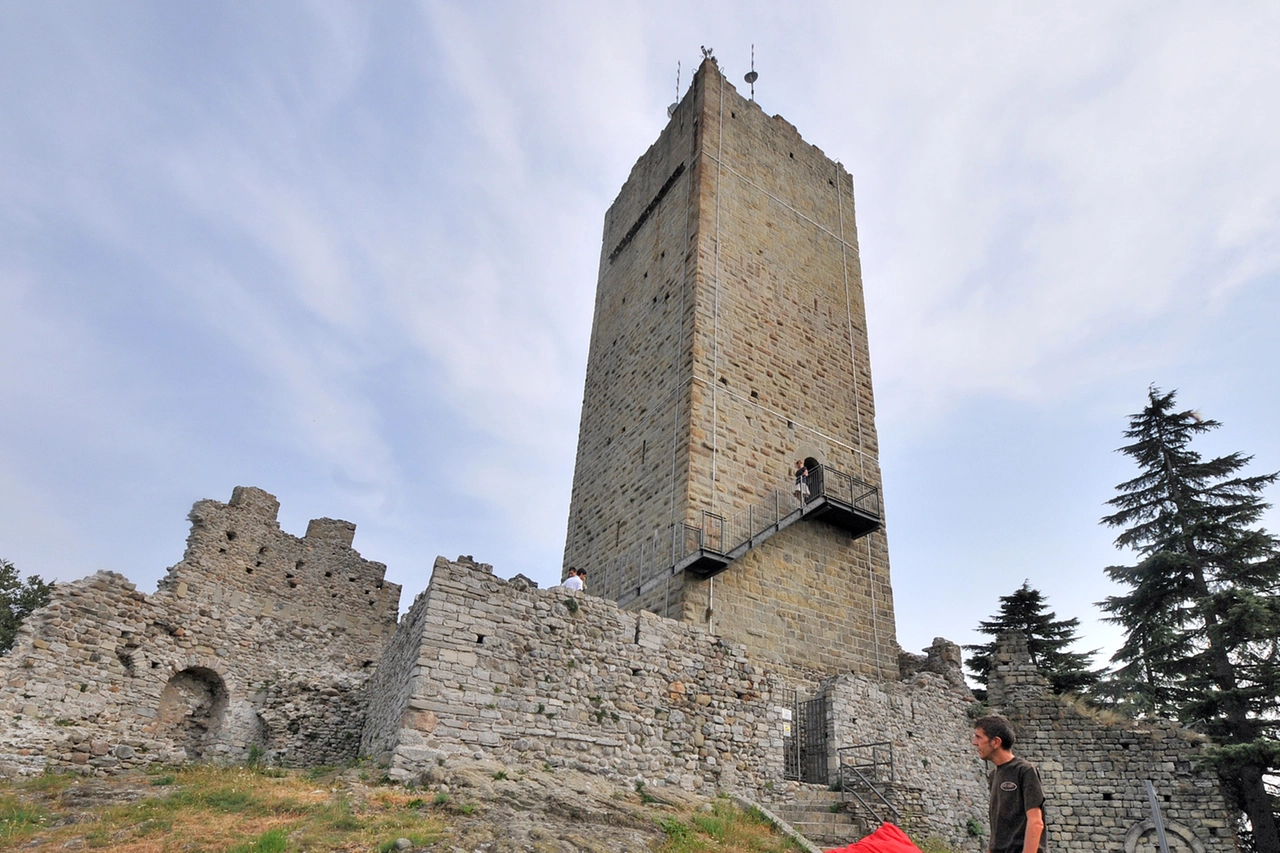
x,y
703,564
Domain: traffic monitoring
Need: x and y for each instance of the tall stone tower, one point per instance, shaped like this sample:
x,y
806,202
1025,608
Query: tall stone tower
x,y
730,341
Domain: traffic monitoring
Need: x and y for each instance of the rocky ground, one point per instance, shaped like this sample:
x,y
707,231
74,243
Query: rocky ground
x,y
473,807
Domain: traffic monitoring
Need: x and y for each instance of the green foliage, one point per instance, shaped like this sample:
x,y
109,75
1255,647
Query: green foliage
x,y
271,841
1202,610
1026,612
18,600
645,796
674,828
714,825
18,820
973,827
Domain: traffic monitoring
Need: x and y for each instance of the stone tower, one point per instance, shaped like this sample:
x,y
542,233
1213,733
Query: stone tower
x,y
729,341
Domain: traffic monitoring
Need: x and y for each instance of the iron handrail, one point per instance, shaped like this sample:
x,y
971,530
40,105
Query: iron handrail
x,y
852,764
897,815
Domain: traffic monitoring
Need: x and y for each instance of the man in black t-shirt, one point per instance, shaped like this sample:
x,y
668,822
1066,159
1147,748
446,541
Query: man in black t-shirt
x,y
1017,798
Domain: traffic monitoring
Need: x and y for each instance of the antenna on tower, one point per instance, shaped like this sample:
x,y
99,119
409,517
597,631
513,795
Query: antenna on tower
x,y
671,110
752,76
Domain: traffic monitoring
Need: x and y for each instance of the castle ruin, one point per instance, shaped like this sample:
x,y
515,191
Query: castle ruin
x,y
743,638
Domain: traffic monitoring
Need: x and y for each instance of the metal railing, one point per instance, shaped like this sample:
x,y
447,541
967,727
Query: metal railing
x,y
847,489
733,531
866,768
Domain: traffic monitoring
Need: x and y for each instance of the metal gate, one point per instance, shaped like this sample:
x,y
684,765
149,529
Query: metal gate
x,y
805,752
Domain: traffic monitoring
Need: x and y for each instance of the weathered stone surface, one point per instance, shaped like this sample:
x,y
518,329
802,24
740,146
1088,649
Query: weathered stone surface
x,y
1095,767
256,640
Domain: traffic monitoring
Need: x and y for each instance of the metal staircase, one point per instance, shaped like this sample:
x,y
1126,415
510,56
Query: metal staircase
x,y
706,548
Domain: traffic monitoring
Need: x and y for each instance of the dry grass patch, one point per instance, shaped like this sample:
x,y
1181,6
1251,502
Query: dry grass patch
x,y
724,829
213,809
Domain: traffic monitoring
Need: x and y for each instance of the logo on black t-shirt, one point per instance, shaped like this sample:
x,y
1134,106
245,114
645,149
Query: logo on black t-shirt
x,y
1008,786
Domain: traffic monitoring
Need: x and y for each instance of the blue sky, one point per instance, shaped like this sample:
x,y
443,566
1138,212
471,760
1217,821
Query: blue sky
x,y
347,253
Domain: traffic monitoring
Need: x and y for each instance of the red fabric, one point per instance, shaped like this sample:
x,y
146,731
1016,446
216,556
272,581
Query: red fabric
x,y
887,839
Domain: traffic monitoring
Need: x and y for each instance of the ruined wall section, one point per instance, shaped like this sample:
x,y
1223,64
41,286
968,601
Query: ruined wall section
x,y
256,639
1094,768
397,679
522,675
939,783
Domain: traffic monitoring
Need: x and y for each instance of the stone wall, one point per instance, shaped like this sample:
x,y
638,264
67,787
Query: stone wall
x,y
506,671
256,640
938,782
1094,768
260,641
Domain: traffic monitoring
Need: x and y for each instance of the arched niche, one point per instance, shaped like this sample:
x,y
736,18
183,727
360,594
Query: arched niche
x,y
1141,838
192,710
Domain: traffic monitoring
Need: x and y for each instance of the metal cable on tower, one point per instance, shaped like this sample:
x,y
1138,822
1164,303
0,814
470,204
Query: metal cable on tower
x,y
751,76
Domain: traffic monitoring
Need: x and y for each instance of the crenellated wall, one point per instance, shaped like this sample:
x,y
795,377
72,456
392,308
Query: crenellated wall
x,y
255,640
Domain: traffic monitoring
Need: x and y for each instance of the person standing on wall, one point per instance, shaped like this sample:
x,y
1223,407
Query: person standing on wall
x,y
1017,797
572,581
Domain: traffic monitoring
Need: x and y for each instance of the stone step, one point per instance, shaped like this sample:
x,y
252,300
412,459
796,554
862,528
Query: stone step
x,y
829,835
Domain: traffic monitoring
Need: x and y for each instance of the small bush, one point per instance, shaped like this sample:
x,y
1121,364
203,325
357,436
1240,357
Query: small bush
x,y
675,829
713,825
271,841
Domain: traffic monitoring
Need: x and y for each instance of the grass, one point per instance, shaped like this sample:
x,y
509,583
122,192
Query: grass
x,y
725,829
203,809
18,820
242,810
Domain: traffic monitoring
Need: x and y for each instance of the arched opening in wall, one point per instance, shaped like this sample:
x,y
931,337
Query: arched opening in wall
x,y
814,467
193,707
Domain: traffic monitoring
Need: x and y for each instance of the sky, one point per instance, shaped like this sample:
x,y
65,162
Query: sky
x,y
347,252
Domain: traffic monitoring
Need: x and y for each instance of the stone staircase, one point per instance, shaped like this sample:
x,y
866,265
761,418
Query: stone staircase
x,y
819,815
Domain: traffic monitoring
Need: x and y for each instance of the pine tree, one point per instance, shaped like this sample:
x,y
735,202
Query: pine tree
x,y
17,601
1202,613
1026,611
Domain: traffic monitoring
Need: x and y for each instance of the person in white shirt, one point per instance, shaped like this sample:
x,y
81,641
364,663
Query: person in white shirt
x,y
573,581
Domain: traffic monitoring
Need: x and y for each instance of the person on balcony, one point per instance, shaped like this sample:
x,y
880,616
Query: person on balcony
x,y
573,581
801,491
